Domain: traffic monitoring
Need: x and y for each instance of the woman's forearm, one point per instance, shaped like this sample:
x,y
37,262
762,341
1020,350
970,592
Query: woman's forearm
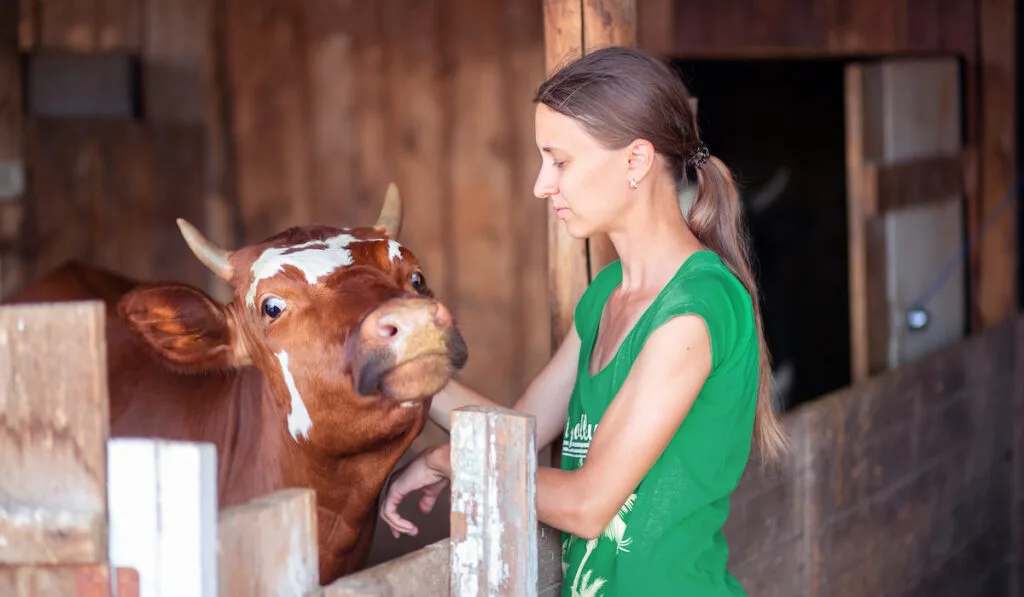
x,y
455,395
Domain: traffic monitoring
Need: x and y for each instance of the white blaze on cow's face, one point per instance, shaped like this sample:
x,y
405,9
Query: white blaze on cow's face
x,y
315,259
299,422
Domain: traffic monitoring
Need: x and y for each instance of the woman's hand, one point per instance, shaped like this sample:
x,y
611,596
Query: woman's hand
x,y
430,471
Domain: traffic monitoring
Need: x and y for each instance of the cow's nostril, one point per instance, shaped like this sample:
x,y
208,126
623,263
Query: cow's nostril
x,y
387,330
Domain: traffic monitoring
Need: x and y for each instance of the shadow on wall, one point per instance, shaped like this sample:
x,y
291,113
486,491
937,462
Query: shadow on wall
x,y
779,125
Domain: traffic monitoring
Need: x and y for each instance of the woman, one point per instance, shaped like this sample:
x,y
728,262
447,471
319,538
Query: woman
x,y
663,380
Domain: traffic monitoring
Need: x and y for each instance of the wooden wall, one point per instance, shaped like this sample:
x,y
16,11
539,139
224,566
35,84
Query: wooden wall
x,y
330,101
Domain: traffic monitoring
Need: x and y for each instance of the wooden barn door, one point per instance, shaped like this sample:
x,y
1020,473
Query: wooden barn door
x,y
905,177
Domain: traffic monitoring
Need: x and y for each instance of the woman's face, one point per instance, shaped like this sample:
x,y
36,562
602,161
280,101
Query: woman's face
x,y
588,185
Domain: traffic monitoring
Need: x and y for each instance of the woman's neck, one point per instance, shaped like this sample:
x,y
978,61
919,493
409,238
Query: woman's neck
x,y
653,240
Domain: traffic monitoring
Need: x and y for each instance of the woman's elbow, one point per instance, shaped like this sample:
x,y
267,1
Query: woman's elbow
x,y
591,521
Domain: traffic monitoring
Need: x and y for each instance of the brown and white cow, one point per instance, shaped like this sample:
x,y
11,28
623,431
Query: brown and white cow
x,y
318,374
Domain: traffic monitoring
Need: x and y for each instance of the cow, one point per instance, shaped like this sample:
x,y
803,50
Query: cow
x,y
319,373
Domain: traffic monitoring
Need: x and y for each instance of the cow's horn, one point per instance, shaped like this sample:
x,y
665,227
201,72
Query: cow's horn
x,y
390,219
210,254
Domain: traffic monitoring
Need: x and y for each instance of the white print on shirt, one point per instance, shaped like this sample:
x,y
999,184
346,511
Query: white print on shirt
x,y
576,439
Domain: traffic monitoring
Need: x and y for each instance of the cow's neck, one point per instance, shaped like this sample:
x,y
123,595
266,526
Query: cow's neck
x,y
346,485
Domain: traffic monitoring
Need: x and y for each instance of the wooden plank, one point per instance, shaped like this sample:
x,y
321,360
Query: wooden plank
x,y
994,265
493,511
858,200
371,130
119,25
53,432
418,130
90,580
861,25
270,116
567,257
332,43
174,58
68,25
428,565
656,26
28,24
483,242
163,514
920,180
606,23
525,54
268,546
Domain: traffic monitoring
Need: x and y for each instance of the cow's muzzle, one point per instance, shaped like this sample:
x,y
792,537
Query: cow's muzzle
x,y
407,349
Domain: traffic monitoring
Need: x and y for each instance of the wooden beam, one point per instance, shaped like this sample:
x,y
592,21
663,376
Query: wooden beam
x,y
53,433
994,271
919,181
268,546
493,503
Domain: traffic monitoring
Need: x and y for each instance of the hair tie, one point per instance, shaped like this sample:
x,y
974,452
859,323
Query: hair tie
x,y
701,155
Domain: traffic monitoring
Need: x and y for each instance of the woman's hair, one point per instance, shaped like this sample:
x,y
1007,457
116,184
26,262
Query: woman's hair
x,y
621,94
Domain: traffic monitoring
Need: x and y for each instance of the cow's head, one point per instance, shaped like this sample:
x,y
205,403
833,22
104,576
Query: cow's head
x,y
340,321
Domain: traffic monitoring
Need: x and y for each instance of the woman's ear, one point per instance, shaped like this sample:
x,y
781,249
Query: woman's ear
x,y
641,158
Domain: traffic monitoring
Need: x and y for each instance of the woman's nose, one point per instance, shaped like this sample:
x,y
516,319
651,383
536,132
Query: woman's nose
x,y
545,186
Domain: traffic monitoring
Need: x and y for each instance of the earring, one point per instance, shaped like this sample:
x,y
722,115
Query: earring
x,y
632,183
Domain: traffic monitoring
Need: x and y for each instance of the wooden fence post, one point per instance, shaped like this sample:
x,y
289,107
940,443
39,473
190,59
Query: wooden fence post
x,y
53,433
493,503
268,546
163,514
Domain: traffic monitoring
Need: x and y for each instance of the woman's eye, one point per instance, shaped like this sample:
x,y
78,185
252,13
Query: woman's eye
x,y
273,307
418,281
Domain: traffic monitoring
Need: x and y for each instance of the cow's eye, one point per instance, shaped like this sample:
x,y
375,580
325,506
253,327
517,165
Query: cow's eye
x,y
418,281
273,307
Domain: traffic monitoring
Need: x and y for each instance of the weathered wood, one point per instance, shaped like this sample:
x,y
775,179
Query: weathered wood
x,y
86,580
859,185
568,274
269,115
919,181
994,265
81,25
428,565
483,241
268,546
525,54
174,55
108,192
163,514
493,511
656,26
53,432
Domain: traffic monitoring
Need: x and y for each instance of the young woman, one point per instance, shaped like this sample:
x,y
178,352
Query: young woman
x,y
663,381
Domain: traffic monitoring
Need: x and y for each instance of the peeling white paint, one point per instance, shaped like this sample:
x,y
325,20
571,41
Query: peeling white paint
x,y
299,422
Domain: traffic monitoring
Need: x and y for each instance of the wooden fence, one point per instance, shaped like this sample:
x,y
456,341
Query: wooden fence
x,y
86,515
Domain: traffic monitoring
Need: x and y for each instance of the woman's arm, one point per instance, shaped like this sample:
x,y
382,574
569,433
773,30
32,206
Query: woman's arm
x,y
635,429
546,397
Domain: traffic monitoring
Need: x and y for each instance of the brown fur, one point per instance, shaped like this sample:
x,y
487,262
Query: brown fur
x,y
183,367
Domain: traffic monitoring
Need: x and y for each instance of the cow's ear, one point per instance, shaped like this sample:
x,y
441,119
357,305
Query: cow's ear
x,y
184,326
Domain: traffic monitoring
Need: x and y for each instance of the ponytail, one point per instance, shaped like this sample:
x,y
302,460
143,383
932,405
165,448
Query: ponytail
x,y
717,221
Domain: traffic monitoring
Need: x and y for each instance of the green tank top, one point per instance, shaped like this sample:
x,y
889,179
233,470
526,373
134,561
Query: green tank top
x,y
667,538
